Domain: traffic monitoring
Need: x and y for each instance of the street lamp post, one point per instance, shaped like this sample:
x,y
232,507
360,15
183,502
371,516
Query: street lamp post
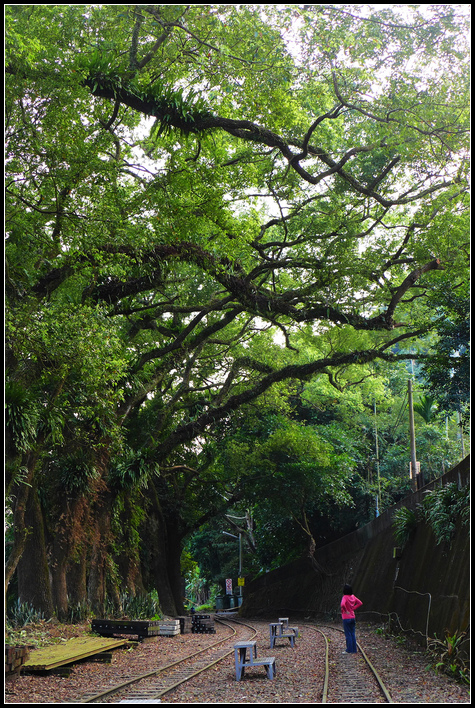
x,y
240,556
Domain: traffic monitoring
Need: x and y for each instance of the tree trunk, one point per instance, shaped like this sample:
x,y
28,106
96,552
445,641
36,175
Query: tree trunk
x,y
19,524
58,566
76,579
164,557
99,554
174,551
112,587
130,574
33,574
128,561
97,575
69,534
157,538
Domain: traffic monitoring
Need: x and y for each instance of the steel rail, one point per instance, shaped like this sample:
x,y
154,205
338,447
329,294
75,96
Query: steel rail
x,y
376,675
140,677
327,663
154,694
207,666
378,678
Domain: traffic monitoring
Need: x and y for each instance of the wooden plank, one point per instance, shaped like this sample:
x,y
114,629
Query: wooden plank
x,y
75,649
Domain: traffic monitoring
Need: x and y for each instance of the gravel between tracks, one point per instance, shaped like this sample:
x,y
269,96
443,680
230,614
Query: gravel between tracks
x,y
299,672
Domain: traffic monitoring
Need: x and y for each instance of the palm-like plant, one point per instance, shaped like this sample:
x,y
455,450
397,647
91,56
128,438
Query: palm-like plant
x,y
426,407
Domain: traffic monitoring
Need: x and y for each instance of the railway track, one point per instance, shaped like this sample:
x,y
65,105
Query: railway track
x,y
352,678
347,678
156,683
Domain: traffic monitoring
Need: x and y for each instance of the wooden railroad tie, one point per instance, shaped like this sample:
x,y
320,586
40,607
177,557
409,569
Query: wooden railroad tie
x,y
185,623
202,624
15,657
170,628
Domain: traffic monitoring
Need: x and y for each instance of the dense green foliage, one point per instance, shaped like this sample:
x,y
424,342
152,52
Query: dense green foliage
x,y
441,509
447,373
226,229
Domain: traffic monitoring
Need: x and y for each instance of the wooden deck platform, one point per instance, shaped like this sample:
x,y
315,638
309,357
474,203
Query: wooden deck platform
x,y
54,655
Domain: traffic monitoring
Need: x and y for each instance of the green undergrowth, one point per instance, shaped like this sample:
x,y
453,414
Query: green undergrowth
x,y
449,656
43,633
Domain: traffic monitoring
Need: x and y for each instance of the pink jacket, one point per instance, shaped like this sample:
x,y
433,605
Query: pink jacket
x,y
349,603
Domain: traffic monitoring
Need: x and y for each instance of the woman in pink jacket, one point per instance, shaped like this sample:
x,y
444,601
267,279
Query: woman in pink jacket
x,y
349,603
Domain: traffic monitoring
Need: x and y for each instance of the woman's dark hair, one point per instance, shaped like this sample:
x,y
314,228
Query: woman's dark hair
x,y
347,590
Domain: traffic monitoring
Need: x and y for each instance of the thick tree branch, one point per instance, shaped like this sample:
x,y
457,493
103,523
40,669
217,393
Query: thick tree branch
x,y
407,284
102,87
191,430
242,289
179,341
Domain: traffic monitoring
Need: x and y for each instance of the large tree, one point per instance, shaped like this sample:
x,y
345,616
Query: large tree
x,y
189,188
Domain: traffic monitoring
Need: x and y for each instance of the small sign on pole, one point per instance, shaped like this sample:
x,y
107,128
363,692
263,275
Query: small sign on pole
x,y
240,582
418,469
229,586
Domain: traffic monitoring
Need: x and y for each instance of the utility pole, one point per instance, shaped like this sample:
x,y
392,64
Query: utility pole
x,y
459,421
378,496
412,436
238,518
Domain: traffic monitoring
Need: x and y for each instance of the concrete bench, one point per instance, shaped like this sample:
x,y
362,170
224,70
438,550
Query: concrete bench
x,y
242,661
281,630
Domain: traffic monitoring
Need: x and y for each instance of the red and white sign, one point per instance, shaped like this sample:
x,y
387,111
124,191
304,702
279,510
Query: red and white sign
x,y
229,586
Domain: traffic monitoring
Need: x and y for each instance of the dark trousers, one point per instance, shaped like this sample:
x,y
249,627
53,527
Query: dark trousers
x,y
349,625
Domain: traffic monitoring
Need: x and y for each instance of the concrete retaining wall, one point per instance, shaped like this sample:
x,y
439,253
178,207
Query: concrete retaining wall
x,y
425,589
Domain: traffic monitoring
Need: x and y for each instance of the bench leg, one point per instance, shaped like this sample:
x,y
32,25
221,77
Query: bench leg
x,y
239,668
270,670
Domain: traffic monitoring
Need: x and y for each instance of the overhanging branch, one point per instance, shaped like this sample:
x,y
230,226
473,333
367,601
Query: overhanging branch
x,y
201,121
197,427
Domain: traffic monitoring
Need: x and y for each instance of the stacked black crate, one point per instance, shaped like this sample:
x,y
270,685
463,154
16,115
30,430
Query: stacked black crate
x,y
202,624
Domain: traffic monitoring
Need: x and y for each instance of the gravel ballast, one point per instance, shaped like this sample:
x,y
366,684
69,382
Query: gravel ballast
x,y
403,667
